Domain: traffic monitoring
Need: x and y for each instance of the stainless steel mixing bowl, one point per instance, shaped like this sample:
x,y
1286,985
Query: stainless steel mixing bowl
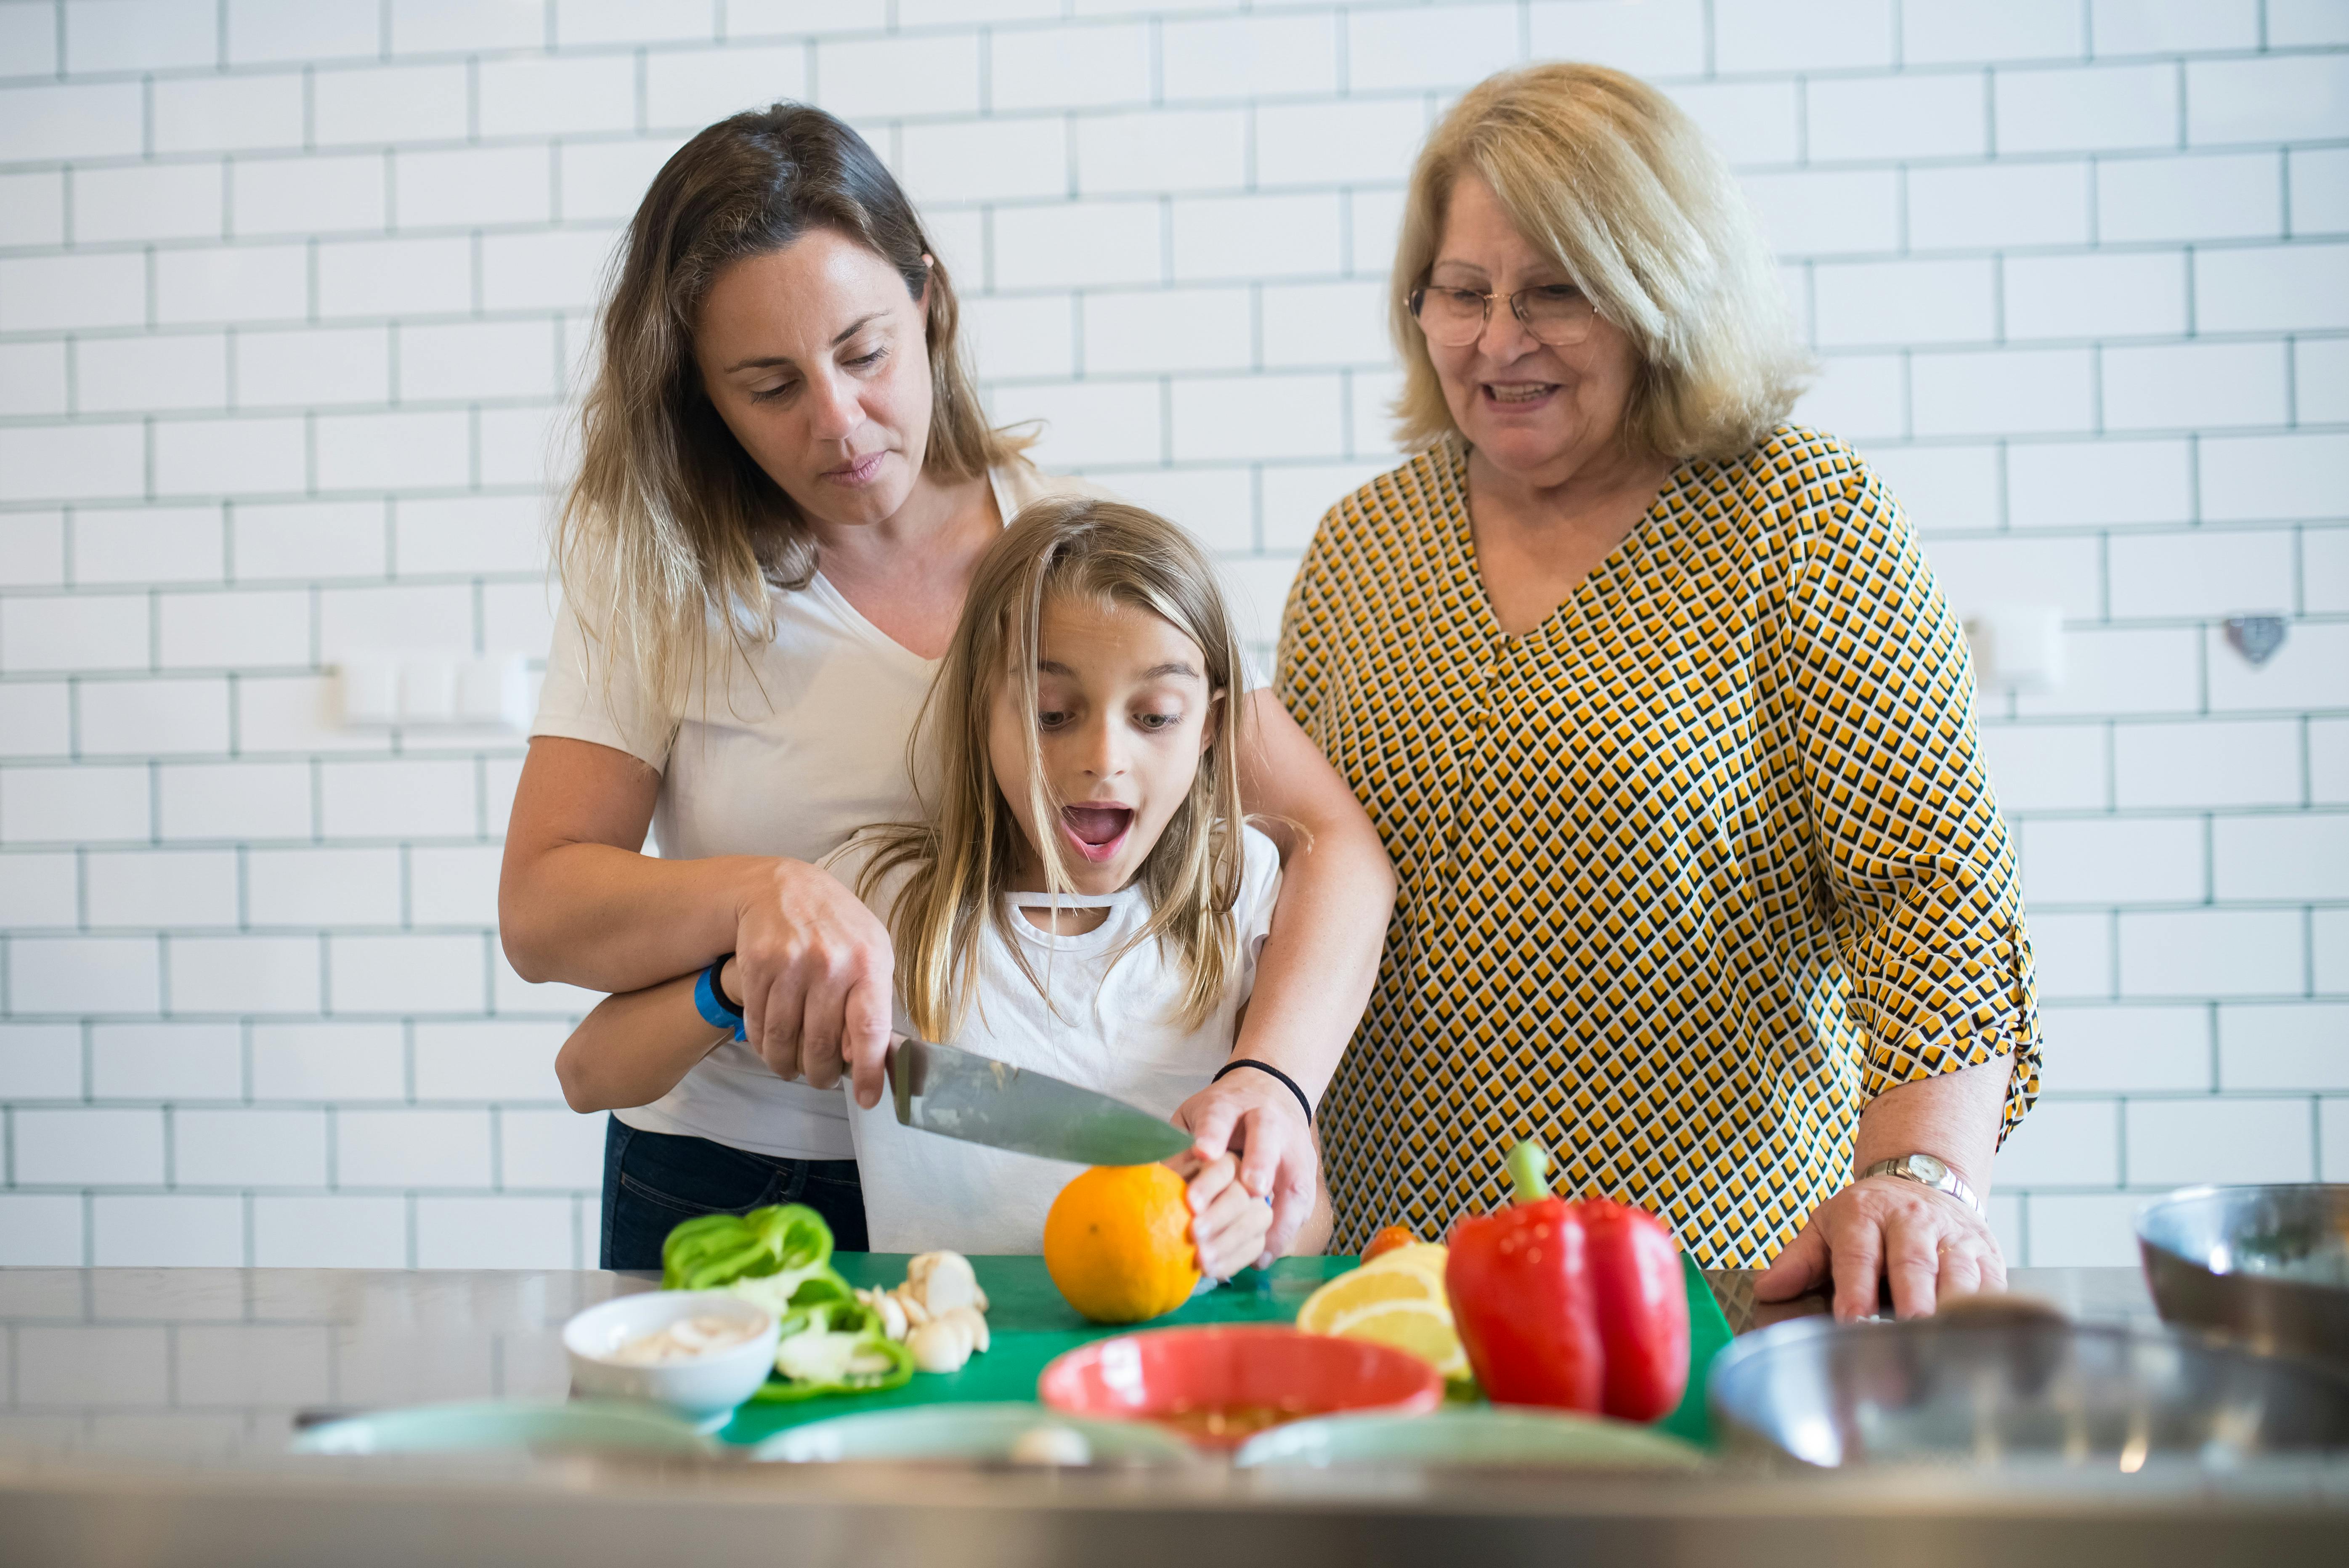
x,y
2265,1265
2030,1390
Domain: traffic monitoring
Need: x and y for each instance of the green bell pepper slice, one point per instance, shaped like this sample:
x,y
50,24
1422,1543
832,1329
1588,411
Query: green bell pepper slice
x,y
834,1347
713,1249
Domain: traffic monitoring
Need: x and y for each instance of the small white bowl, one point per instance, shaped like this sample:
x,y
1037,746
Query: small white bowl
x,y
703,1390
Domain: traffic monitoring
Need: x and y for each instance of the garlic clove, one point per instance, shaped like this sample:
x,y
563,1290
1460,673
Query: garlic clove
x,y
940,1345
948,1283
969,1320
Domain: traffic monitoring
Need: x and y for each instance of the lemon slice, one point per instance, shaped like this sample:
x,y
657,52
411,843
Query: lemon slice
x,y
1365,1288
1428,1257
1421,1328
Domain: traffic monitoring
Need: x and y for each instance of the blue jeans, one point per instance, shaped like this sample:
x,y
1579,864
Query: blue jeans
x,y
654,1181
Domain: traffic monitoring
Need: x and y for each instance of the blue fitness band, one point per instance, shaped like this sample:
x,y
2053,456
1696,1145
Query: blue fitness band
x,y
710,1002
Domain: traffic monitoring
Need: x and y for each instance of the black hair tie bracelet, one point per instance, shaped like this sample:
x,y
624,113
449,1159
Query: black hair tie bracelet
x,y
1303,1104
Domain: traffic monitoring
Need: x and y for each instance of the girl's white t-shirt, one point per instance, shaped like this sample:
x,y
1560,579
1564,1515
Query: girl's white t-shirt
x,y
785,751
1116,1028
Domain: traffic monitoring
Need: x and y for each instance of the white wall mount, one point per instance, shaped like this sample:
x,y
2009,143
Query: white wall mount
x,y
381,688
2018,648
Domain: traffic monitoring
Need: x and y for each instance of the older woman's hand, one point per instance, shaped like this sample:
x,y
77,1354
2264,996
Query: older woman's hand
x,y
815,969
1253,1114
1927,1243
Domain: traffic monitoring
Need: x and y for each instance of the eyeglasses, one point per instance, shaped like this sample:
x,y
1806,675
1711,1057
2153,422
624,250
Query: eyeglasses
x,y
1558,314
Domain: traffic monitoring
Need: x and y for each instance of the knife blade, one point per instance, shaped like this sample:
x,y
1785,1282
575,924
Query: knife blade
x,y
961,1094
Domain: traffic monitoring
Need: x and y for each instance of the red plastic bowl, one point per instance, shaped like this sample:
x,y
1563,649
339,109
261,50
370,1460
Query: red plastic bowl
x,y
1217,1385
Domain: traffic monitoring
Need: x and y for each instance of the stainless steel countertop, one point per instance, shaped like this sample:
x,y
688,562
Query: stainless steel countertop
x,y
147,1413
213,1364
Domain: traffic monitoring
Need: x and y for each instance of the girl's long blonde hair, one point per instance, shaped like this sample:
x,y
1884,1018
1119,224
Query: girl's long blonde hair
x,y
962,858
671,534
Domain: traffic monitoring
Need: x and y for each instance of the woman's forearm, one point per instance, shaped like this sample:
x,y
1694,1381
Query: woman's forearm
x,y
1319,960
576,901
1952,1116
1329,928
632,1048
614,920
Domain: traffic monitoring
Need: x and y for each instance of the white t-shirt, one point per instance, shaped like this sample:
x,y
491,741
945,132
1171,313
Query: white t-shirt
x,y
784,752
1116,1030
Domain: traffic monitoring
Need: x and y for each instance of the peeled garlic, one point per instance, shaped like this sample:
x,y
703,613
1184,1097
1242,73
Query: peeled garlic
x,y
939,1311
1051,1446
970,1318
891,1311
939,1346
943,1280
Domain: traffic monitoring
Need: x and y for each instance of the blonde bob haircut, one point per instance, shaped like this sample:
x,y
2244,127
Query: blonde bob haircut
x,y
671,535
961,860
1607,176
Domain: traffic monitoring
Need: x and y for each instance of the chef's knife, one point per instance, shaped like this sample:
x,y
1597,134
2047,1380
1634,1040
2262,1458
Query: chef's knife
x,y
945,1089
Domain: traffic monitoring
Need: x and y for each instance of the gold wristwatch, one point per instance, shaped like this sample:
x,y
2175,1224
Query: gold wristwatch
x,y
1926,1170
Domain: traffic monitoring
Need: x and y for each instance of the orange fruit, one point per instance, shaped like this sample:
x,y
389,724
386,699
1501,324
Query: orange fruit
x,y
1388,1240
1118,1242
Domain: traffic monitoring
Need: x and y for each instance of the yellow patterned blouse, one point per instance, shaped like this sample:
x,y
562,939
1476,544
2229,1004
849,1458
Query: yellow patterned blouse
x,y
1689,872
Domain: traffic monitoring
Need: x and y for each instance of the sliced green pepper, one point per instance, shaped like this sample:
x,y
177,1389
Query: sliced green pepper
x,y
834,1347
784,1294
713,1249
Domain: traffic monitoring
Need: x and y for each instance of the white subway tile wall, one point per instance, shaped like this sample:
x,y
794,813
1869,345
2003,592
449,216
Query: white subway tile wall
x,y
293,294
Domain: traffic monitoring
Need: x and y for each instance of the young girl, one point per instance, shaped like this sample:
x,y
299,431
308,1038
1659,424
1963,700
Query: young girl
x,y
1084,899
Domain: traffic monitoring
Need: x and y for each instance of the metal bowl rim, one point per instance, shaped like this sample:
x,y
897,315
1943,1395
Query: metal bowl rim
x,y
2203,1191
1796,1331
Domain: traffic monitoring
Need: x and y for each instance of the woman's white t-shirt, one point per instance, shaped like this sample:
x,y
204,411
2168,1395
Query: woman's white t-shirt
x,y
1115,1029
786,751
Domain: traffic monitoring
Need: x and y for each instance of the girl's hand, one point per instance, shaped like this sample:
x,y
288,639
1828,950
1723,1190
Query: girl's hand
x,y
814,970
1228,1222
1253,1114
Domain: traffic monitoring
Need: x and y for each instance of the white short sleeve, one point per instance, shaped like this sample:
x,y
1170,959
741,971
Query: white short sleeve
x,y
576,705
1259,891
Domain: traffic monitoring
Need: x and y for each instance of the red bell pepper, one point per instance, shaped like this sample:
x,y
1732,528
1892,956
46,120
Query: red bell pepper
x,y
1643,1322
1575,1305
1521,1299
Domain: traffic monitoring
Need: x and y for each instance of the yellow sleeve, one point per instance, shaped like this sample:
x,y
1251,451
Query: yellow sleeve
x,y
1928,904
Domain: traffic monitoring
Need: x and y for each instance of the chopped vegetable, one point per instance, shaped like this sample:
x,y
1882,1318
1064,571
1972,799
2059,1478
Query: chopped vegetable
x,y
834,1347
717,1249
1051,1446
786,1293
948,1340
939,1312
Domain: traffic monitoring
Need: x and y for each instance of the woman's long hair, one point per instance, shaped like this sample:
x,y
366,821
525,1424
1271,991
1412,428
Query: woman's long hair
x,y
962,858
671,533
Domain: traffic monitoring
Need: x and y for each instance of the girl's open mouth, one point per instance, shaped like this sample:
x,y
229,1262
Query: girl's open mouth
x,y
1096,833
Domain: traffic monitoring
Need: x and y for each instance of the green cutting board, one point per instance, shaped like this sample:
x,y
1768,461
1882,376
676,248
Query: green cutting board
x,y
1030,1325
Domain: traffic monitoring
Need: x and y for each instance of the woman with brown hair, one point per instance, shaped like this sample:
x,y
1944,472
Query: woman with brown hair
x,y
786,482
1669,731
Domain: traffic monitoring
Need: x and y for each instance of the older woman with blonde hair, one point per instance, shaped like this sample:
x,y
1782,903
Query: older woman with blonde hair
x,y
1669,733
